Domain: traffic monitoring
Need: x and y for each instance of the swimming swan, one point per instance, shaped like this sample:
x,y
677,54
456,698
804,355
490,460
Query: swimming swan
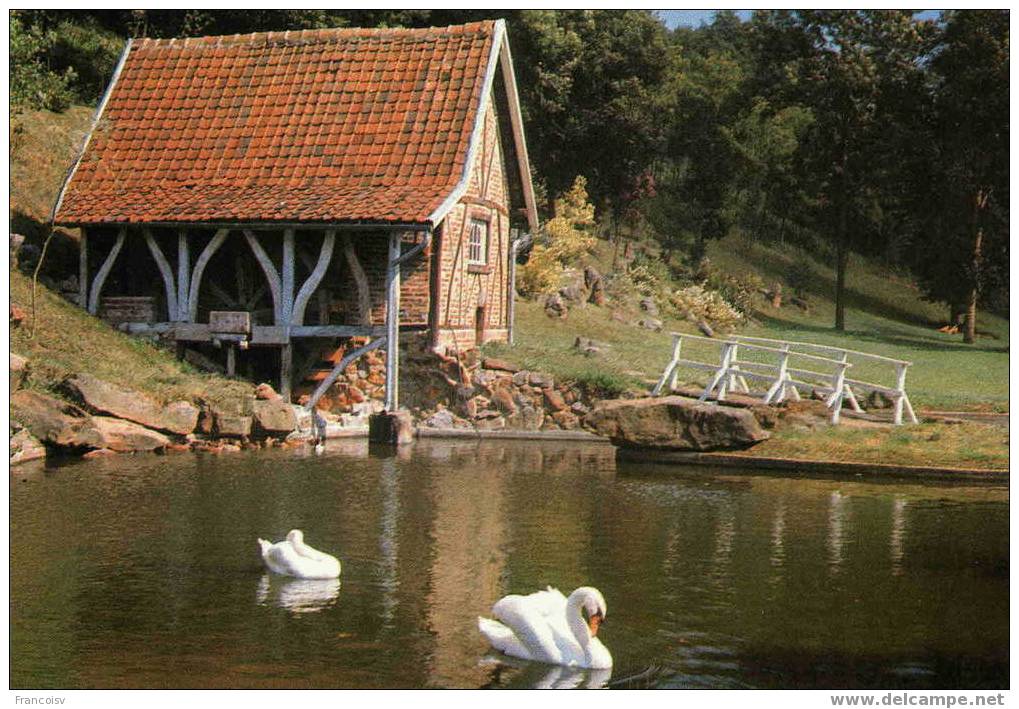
x,y
292,557
548,627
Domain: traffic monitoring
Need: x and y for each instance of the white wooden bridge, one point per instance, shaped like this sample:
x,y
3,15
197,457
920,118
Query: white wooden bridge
x,y
784,368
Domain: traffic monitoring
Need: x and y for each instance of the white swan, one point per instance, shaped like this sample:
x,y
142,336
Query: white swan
x,y
548,627
292,557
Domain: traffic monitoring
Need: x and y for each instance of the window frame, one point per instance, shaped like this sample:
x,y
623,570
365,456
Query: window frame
x,y
486,231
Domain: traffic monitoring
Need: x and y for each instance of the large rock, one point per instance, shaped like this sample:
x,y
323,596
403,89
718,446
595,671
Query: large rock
x,y
19,368
676,423
102,397
54,421
127,437
274,416
234,425
25,446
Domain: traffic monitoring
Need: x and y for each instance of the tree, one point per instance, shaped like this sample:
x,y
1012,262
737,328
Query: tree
x,y
969,162
855,62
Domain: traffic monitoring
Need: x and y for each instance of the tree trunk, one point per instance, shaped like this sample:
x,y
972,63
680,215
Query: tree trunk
x,y
841,261
969,335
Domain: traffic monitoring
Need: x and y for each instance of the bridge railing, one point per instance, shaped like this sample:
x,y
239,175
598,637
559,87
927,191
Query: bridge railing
x,y
784,367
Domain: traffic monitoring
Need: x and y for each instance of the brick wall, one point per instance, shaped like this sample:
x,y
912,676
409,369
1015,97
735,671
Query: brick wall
x,y
465,289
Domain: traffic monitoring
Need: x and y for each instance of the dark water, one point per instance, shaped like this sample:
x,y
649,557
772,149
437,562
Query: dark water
x,y
143,571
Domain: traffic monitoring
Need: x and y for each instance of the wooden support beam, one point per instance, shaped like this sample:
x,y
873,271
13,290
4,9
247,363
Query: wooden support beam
x,y
323,387
196,277
286,367
165,272
364,297
393,323
104,271
287,277
231,359
83,269
183,273
271,276
304,295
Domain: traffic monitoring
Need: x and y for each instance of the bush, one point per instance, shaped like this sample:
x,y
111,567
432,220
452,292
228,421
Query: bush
x,y
798,276
741,292
566,239
695,303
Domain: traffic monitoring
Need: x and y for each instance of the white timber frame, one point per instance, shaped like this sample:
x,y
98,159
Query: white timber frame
x,y
787,373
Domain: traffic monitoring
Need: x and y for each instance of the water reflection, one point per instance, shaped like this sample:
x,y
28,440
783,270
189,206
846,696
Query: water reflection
x,y
897,538
297,595
720,580
512,673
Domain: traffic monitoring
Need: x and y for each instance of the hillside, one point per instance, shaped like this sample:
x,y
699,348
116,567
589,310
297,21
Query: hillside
x,y
885,315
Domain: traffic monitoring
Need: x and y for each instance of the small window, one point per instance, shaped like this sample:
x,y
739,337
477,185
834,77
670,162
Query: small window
x,y
477,245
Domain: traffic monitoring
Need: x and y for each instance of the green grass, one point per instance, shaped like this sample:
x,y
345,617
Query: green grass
x,y
886,316
968,445
68,341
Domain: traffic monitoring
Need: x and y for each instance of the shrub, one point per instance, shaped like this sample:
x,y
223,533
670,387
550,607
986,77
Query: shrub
x,y
696,303
798,276
741,292
567,238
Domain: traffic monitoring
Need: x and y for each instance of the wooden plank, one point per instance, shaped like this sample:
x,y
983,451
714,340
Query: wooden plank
x,y
304,295
83,270
104,271
165,272
196,277
192,332
364,297
183,273
337,330
269,335
271,276
230,321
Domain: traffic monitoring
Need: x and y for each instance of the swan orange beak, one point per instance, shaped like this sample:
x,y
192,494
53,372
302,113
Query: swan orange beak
x,y
594,623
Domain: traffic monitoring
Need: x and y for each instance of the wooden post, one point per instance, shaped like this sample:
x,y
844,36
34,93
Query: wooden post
x,y
671,368
165,272
183,272
286,367
393,322
83,269
196,278
231,359
286,312
364,298
317,273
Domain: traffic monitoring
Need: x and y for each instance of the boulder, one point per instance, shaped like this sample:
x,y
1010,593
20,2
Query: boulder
x,y
499,365
554,400
25,447
566,420
675,423
274,416
54,421
537,379
125,437
443,418
265,392
648,305
527,418
19,368
594,283
555,306
651,324
17,315
705,329
503,400
233,425
105,398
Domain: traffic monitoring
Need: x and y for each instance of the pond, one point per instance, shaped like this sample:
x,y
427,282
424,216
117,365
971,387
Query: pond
x,y
144,571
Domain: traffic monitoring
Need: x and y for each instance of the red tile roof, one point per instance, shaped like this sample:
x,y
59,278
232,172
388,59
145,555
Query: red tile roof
x,y
313,126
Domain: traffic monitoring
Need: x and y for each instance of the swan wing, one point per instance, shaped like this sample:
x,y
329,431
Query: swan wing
x,y
525,617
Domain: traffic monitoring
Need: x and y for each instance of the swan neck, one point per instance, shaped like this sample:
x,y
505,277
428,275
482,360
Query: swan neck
x,y
575,619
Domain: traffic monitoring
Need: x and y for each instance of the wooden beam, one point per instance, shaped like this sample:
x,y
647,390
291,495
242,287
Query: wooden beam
x,y
269,269
183,273
83,269
196,277
165,272
304,295
287,278
323,387
393,323
286,367
364,296
337,331
104,271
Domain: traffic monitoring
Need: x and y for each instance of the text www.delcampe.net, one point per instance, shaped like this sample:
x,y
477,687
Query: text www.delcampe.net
x,y
907,699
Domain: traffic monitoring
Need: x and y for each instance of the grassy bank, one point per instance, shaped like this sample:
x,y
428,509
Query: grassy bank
x,y
886,316
68,341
